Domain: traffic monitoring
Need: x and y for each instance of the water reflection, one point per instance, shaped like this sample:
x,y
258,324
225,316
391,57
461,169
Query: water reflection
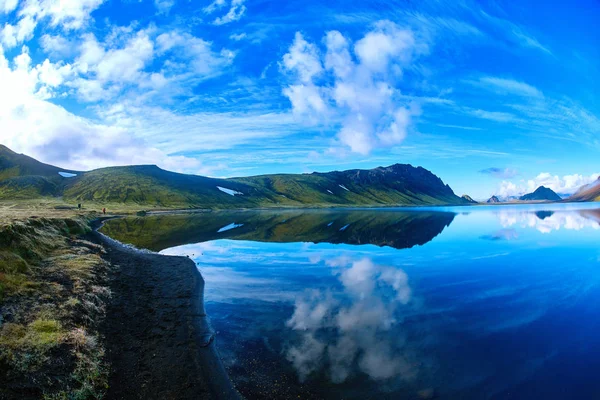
x,y
349,329
399,229
548,221
464,303
382,228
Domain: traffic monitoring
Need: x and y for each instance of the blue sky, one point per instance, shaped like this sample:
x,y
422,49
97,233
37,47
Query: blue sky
x,y
495,97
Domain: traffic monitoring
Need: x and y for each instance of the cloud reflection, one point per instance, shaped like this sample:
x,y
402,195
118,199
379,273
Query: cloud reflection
x,y
547,222
346,331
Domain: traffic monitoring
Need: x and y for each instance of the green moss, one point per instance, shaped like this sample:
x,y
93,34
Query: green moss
x,y
40,335
44,334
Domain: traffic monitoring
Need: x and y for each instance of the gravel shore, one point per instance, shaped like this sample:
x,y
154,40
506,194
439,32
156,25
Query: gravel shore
x,y
159,342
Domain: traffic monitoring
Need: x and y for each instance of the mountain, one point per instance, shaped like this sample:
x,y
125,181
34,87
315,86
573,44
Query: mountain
x,y
589,192
493,199
22,177
14,165
541,193
468,199
148,185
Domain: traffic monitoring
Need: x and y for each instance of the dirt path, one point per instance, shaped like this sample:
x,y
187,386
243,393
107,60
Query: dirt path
x,y
159,343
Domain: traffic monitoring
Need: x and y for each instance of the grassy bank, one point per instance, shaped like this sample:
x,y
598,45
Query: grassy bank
x,y
53,293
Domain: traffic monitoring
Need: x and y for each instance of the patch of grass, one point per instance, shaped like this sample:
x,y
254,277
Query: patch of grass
x,y
40,335
53,294
11,263
12,284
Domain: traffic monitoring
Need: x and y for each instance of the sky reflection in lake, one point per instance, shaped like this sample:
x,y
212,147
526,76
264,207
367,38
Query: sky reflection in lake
x,y
478,302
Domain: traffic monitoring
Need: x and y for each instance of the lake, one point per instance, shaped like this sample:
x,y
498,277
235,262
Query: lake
x,y
484,302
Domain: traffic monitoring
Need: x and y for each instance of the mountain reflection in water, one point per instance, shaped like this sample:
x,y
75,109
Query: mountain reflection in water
x,y
381,228
470,302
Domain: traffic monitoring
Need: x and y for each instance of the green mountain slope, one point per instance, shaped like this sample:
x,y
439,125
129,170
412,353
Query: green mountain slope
x,y
399,184
148,185
22,177
14,165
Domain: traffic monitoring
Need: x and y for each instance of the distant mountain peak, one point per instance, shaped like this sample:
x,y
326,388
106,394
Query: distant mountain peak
x,y
493,199
468,198
541,193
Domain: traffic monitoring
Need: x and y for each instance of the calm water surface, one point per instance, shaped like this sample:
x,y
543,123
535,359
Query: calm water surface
x,y
470,302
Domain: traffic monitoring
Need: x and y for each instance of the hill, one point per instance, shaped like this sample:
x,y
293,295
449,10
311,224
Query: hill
x,y
23,177
589,192
149,185
541,193
493,199
14,165
469,199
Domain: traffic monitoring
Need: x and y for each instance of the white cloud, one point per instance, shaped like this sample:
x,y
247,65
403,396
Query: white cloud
x,y
117,134
57,45
354,87
12,35
32,125
303,59
515,33
235,13
197,54
68,14
8,6
239,36
497,116
214,6
508,86
567,184
164,6
122,64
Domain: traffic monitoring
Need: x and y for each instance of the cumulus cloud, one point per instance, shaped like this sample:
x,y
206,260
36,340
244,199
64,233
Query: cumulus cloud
x,y
13,35
58,46
31,124
197,54
357,317
65,14
353,86
235,13
567,184
503,173
117,133
8,6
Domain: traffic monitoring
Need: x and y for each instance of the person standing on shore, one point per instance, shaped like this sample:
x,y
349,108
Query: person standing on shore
x,y
104,211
